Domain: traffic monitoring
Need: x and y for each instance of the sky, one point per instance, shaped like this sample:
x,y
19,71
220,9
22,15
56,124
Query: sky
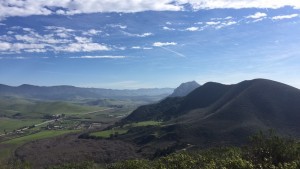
x,y
129,44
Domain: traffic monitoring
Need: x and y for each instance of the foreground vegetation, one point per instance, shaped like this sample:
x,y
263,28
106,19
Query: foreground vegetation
x,y
265,151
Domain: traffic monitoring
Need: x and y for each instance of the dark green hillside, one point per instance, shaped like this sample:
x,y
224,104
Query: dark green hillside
x,y
173,106
215,113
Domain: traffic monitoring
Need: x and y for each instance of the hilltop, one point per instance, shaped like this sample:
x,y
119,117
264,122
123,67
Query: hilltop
x,y
215,113
184,89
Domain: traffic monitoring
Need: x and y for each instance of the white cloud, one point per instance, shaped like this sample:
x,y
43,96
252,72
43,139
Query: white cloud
x,y
121,48
228,17
4,46
258,20
69,7
33,37
58,29
82,47
257,15
285,16
19,57
160,44
62,35
167,28
117,26
239,4
138,35
213,23
199,23
83,39
98,57
145,34
31,41
36,50
92,32
192,29
225,24
10,8
17,47
135,47
139,47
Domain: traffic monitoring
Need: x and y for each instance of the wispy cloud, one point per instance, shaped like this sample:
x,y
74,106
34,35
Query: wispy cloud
x,y
92,32
70,7
213,23
168,28
135,47
192,29
138,35
54,39
280,17
160,44
257,15
117,26
239,4
4,46
82,47
98,57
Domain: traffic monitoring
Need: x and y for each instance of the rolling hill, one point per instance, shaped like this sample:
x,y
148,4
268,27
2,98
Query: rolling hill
x,y
77,93
215,113
212,115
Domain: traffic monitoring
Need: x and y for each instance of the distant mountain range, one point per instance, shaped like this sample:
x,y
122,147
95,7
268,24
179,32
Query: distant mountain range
x,y
184,89
71,92
218,113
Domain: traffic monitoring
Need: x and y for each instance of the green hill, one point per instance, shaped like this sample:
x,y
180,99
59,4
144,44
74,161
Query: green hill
x,y
215,113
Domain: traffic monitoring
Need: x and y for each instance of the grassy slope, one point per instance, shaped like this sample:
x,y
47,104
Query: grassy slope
x,y
108,133
11,124
35,109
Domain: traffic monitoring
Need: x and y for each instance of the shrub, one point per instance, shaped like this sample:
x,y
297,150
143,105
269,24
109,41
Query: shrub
x,y
269,151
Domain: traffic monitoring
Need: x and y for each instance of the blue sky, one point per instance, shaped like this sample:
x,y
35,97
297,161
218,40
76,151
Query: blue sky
x,y
142,44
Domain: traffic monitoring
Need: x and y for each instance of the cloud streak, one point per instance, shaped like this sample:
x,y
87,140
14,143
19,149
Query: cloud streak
x,y
257,15
98,57
161,44
280,17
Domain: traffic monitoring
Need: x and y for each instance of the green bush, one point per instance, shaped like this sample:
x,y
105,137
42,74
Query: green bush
x,y
83,165
266,151
131,164
271,151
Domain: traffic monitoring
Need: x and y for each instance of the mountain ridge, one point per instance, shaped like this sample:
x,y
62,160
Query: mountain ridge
x,y
215,113
67,92
184,89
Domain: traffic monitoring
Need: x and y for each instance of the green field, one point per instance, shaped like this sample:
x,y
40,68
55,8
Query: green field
x,y
108,133
146,123
29,109
8,124
16,113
